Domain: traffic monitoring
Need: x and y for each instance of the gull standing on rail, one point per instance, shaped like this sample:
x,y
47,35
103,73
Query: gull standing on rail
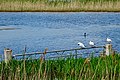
x,y
91,43
81,45
108,40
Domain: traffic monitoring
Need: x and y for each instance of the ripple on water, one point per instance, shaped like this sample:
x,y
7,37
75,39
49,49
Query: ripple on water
x,y
57,30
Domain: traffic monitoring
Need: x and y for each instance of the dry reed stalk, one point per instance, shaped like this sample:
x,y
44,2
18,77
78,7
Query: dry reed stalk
x,y
86,74
89,73
81,72
39,72
17,74
24,71
87,60
24,61
65,78
72,71
9,77
111,75
1,76
96,69
107,73
44,74
114,73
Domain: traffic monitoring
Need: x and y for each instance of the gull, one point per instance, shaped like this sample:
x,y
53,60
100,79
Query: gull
x,y
81,45
91,43
109,40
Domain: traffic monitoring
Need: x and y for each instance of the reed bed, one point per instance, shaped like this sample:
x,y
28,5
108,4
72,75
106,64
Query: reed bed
x,y
59,5
93,68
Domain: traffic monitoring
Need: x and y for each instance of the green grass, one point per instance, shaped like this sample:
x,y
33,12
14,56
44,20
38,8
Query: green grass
x,y
59,5
94,68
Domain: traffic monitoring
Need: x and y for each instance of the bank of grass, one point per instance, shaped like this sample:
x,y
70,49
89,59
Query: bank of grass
x,y
94,68
60,5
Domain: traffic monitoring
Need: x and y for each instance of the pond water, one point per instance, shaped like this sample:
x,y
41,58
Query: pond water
x,y
57,30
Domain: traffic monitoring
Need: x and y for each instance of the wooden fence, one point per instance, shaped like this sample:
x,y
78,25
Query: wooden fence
x,y
59,53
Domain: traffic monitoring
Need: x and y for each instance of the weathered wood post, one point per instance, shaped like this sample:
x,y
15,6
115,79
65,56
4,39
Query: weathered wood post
x,y
108,50
7,55
76,54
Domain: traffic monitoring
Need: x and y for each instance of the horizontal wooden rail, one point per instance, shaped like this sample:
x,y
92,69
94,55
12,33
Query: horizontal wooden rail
x,y
55,51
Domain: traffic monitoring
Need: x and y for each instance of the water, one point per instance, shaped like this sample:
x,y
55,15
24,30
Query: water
x,y
57,30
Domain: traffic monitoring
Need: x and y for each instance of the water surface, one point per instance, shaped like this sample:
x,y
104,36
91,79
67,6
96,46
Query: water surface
x,y
57,30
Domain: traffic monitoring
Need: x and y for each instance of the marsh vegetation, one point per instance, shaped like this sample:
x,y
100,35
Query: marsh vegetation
x,y
93,68
60,5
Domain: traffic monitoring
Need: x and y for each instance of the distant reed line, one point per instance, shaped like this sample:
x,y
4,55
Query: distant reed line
x,y
60,5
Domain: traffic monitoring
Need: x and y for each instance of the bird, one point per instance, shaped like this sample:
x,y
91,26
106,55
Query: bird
x,y
91,43
109,40
81,45
85,34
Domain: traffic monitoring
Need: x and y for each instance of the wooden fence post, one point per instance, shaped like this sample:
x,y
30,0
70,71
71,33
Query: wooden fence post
x,y
108,49
7,55
76,54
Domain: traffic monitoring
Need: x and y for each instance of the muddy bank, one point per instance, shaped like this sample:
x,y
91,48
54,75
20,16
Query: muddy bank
x,y
9,28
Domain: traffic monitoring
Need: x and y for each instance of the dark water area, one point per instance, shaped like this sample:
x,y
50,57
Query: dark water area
x,y
57,30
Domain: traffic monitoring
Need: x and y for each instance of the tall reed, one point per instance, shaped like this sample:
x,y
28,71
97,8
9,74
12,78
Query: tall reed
x,y
59,5
90,68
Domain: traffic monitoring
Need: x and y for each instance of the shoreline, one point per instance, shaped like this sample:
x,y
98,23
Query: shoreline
x,y
115,11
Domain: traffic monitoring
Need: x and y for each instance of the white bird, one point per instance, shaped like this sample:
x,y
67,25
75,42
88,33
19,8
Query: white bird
x,y
108,40
81,45
91,43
